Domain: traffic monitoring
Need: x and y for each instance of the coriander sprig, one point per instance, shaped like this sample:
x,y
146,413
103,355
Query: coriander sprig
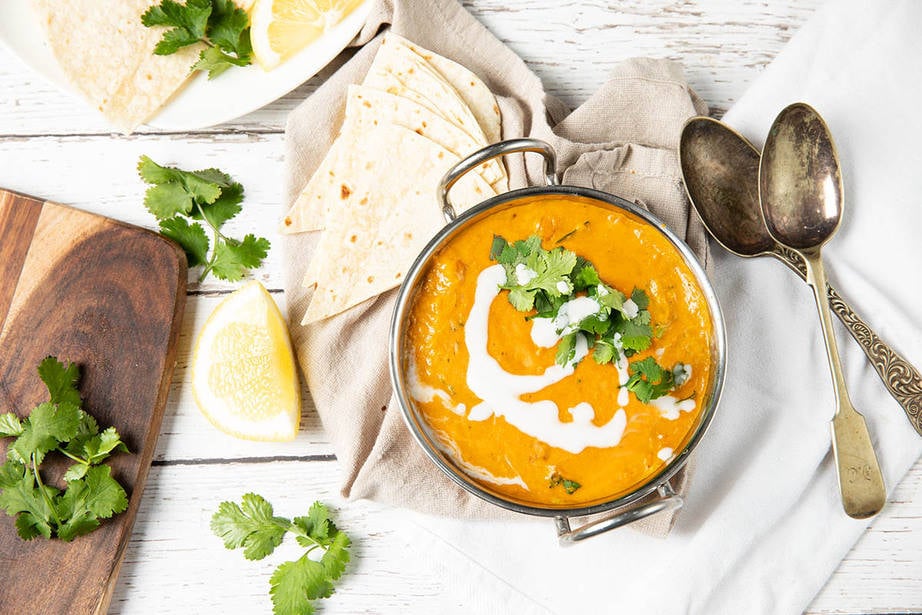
x,y
548,281
220,25
182,200
59,425
252,525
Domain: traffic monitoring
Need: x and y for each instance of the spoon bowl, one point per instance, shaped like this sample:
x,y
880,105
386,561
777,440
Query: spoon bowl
x,y
800,181
721,171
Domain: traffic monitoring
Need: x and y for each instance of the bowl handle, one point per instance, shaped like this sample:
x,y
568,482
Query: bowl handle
x,y
489,152
669,500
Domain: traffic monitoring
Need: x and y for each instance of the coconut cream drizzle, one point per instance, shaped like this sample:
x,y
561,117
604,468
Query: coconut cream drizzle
x,y
501,391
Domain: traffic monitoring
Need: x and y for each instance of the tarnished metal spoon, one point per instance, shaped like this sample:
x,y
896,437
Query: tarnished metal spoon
x,y
800,190
721,171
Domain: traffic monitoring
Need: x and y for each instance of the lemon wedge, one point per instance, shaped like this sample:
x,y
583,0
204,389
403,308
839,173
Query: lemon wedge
x,y
243,369
280,28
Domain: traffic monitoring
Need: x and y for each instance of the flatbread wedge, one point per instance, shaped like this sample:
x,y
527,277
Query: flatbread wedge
x,y
384,219
470,87
367,109
107,54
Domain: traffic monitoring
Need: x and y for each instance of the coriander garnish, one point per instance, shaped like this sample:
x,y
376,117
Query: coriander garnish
x,y
570,486
59,425
180,199
220,25
295,584
566,288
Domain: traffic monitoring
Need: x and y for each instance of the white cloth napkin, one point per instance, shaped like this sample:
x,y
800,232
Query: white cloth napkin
x,y
763,527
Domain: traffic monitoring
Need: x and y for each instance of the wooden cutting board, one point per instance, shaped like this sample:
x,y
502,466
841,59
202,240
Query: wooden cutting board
x,y
107,296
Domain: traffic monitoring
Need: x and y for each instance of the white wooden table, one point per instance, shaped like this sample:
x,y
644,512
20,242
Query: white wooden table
x,y
53,146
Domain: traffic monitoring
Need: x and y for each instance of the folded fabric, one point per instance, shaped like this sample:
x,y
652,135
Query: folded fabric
x,y
763,526
621,141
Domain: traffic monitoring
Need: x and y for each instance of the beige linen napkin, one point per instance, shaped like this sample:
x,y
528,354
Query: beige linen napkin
x,y
622,140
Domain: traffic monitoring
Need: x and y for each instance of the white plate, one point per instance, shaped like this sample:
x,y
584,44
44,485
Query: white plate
x,y
240,90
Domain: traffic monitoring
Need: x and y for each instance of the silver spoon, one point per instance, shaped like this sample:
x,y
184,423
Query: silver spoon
x,y
721,171
800,190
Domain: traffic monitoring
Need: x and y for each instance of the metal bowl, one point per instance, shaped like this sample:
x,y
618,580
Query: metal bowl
x,y
655,494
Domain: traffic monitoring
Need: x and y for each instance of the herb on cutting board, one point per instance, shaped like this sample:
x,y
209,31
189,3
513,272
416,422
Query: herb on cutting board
x,y
220,25
295,584
59,425
182,200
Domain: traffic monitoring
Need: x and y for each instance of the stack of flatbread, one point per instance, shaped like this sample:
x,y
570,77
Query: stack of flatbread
x,y
374,195
108,55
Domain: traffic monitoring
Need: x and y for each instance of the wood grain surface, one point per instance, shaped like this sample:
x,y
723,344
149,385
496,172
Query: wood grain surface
x,y
106,296
50,142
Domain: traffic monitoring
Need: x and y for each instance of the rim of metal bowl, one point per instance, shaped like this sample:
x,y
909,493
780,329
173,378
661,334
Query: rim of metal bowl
x,y
415,424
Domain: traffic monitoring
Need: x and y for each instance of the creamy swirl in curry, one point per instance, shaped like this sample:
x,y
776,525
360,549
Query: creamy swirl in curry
x,y
484,376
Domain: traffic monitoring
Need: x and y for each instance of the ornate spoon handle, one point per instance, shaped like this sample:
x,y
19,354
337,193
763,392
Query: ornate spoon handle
x,y
903,381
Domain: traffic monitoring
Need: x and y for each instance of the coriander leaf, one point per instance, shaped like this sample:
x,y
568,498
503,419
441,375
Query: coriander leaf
x,y
190,237
252,526
225,206
153,173
202,186
337,556
61,380
19,494
232,258
168,200
634,337
530,268
95,496
11,472
604,351
649,380
640,297
231,525
47,426
521,299
595,323
566,350
77,525
104,495
570,486
174,40
294,584
211,176
10,425
608,297
317,526
101,445
87,430
28,526
189,22
552,267
76,471
584,275
496,248
227,28
215,61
